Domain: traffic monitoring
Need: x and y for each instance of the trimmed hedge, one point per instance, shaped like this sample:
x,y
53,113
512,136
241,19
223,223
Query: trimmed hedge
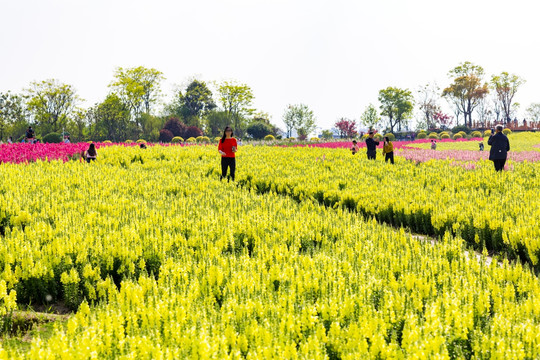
x,y
52,138
269,137
177,140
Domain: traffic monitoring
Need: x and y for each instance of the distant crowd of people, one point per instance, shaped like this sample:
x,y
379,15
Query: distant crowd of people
x,y
227,148
500,145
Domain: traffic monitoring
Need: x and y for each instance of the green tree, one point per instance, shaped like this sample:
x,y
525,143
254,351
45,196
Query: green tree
x,y
370,117
138,87
397,105
196,101
258,130
300,118
428,96
467,89
13,115
109,120
216,121
236,99
51,103
533,112
506,85
327,134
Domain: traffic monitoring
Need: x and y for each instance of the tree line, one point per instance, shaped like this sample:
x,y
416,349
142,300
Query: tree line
x,y
468,94
130,110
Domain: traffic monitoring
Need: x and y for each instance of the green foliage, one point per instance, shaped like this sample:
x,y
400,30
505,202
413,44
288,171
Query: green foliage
x,y
141,141
53,138
507,131
314,139
461,128
445,136
422,135
258,130
300,118
13,115
216,139
476,134
51,103
433,135
370,117
109,120
269,138
506,85
193,104
487,133
177,140
463,134
138,87
216,121
236,99
191,140
467,90
458,136
391,136
396,105
327,134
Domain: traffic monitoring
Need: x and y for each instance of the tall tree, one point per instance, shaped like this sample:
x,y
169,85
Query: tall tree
x,y
138,87
236,100
300,118
12,114
109,120
193,104
467,89
346,127
428,96
370,117
506,85
51,103
397,105
483,110
216,121
533,112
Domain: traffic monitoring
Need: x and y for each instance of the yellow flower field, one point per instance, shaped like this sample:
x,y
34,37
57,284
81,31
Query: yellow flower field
x,y
161,260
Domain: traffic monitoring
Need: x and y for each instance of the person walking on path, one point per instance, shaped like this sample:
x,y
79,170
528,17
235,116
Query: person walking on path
x,y
500,146
371,145
388,150
227,149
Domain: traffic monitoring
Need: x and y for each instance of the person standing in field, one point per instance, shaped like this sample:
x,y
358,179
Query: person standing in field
x,y
481,146
227,149
91,153
30,135
371,145
388,150
355,147
500,146
433,145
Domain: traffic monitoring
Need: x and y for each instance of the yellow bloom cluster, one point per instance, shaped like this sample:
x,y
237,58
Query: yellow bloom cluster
x,y
496,211
167,262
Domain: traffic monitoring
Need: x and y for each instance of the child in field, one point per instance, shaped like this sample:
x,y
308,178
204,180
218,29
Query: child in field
x,y
355,147
388,150
433,145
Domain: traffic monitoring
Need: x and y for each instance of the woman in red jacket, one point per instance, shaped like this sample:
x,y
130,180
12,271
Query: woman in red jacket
x,y
227,149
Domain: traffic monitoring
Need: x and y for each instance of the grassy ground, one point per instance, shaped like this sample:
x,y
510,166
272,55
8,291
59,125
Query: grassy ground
x,y
26,326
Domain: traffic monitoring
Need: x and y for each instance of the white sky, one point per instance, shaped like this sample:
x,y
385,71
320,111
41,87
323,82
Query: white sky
x,y
332,55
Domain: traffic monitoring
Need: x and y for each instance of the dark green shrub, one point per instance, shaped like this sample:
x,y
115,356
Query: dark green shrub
x,y
53,138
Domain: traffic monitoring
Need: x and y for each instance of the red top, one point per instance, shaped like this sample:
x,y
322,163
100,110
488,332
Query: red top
x,y
226,146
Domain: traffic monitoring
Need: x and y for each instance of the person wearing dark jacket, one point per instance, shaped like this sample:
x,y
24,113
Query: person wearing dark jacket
x,y
371,145
499,148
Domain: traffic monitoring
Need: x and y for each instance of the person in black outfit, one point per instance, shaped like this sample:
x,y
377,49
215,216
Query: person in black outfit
x,y
499,148
371,145
30,134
